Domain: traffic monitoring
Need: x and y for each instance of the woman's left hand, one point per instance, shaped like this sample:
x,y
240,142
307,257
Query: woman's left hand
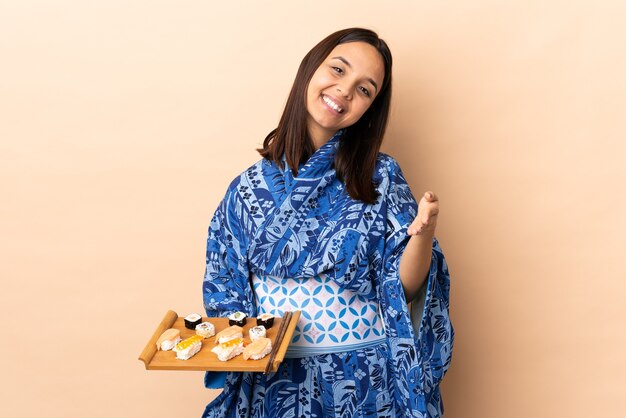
x,y
426,219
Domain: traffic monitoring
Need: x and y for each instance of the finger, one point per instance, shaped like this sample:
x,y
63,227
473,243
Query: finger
x,y
431,213
431,197
416,227
415,230
423,220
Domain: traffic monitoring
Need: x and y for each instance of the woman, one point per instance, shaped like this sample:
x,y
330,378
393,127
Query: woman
x,y
326,224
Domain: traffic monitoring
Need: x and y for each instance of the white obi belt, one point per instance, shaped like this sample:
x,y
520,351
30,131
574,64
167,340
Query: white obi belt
x,y
332,320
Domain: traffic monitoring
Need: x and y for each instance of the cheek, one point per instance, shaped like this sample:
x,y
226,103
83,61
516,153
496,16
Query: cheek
x,y
320,81
313,89
361,109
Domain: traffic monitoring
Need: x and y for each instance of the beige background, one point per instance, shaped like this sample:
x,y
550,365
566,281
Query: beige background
x,y
122,123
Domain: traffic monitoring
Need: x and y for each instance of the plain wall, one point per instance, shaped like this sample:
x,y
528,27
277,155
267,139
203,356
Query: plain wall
x,y
122,123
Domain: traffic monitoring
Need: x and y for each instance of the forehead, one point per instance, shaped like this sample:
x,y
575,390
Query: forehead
x,y
364,59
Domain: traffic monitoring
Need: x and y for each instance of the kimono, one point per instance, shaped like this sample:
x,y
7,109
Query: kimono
x,y
272,223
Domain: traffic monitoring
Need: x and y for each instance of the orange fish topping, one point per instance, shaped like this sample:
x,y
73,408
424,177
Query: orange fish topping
x,y
188,342
231,343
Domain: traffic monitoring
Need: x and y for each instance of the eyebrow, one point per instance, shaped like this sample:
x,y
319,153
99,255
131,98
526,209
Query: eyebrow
x,y
345,61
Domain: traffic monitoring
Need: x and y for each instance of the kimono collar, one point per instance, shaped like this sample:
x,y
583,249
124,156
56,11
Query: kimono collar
x,y
322,159
280,245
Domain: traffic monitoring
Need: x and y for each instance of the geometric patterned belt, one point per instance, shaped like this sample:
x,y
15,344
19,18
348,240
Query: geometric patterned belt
x,y
333,319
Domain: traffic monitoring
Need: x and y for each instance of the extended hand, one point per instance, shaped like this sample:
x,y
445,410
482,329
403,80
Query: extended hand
x,y
426,219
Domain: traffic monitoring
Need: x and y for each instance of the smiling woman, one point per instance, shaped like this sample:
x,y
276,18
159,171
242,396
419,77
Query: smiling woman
x,y
326,224
356,157
342,89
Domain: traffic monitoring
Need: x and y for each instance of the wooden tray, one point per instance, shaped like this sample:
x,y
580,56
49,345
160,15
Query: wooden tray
x,y
207,360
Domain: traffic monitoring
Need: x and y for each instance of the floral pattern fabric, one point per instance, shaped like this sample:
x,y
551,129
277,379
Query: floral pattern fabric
x,y
349,384
272,223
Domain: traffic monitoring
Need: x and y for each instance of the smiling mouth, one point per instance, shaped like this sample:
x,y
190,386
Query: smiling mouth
x,y
332,104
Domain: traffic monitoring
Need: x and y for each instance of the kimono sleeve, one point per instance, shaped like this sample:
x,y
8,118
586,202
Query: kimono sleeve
x,y
422,351
435,334
226,287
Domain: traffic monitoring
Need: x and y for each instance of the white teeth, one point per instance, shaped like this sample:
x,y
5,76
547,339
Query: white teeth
x,y
332,104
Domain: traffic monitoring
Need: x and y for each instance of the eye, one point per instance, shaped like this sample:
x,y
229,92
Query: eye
x,y
365,91
337,70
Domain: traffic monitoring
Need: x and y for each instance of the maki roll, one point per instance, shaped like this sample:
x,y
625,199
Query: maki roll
x,y
168,339
257,332
258,349
266,320
238,318
188,348
229,349
205,329
192,320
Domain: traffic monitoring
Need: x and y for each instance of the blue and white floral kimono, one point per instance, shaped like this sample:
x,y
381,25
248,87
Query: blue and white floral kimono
x,y
274,225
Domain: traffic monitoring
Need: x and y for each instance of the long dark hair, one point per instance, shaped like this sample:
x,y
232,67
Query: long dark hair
x,y
359,146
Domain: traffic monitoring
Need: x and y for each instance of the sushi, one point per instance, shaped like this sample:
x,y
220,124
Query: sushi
x,y
257,332
238,318
228,334
168,339
205,329
188,347
229,349
192,320
258,349
266,319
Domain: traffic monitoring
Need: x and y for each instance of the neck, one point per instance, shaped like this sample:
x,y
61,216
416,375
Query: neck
x,y
319,136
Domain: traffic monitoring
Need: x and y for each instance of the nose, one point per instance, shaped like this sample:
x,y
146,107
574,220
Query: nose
x,y
345,91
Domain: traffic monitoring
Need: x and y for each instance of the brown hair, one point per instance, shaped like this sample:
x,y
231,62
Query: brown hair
x,y
359,146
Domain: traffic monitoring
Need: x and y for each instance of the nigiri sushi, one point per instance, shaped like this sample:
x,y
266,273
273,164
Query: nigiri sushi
x,y
228,334
168,339
188,347
258,349
229,349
